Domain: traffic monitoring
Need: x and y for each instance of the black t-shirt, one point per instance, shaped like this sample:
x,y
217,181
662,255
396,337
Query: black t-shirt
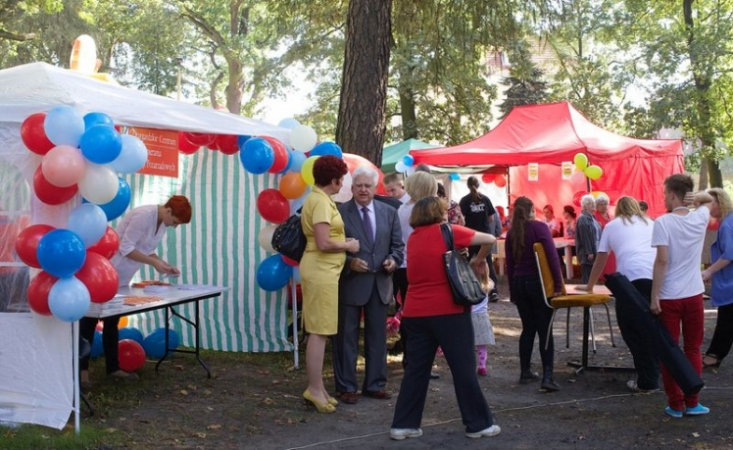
x,y
477,213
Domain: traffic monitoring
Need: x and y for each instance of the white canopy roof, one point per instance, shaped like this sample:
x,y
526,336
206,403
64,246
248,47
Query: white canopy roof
x,y
38,87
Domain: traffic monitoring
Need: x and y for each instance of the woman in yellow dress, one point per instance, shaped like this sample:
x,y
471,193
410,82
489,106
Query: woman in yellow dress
x,y
320,268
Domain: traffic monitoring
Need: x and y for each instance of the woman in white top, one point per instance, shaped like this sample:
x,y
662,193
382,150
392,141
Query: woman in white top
x,y
140,231
629,237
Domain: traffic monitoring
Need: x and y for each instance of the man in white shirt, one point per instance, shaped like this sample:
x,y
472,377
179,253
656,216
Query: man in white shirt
x,y
395,187
677,285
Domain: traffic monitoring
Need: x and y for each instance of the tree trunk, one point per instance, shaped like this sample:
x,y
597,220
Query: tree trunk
x,y
407,112
702,183
714,173
361,121
235,87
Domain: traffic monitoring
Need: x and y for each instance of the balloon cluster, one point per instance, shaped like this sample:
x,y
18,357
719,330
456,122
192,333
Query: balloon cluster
x,y
262,154
406,165
80,155
498,179
581,165
133,348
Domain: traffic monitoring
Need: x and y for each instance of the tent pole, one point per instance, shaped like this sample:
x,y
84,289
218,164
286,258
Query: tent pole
x,y
75,368
508,188
294,296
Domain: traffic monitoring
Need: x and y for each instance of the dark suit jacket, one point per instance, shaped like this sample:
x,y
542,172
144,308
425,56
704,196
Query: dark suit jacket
x,y
356,288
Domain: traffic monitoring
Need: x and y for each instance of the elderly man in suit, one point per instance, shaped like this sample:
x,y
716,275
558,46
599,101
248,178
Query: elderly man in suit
x,y
366,286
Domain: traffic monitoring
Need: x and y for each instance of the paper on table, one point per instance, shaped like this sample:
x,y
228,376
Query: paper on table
x,y
194,287
154,289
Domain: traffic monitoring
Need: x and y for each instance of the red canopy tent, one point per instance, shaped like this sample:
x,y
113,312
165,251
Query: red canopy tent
x,y
554,133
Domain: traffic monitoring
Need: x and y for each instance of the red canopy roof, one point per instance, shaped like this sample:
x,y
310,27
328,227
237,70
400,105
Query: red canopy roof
x,y
550,134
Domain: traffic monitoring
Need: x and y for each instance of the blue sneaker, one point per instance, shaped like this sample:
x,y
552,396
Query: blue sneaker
x,y
673,413
698,410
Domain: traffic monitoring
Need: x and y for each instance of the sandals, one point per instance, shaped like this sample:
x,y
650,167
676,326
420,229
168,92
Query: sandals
x,y
709,357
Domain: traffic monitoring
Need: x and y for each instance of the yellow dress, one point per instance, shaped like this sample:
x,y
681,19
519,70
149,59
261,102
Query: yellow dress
x,y
320,271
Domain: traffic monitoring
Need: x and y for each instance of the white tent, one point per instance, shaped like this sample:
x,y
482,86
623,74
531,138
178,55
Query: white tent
x,y
36,353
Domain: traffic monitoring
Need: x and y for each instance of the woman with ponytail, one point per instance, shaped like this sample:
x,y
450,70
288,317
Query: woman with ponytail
x,y
525,289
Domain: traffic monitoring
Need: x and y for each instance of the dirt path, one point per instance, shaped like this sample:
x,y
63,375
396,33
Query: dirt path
x,y
253,404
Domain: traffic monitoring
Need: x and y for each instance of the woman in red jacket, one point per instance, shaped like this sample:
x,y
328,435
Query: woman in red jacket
x,y
432,319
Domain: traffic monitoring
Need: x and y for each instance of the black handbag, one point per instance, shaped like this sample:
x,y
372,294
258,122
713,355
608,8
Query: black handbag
x,y
288,238
464,284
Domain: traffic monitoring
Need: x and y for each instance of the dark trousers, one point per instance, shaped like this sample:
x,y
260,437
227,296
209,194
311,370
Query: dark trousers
x,y
526,294
400,286
723,336
454,334
638,337
492,270
346,345
585,270
110,340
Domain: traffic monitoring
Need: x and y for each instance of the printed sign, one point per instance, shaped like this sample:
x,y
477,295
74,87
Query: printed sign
x,y
533,171
567,170
162,151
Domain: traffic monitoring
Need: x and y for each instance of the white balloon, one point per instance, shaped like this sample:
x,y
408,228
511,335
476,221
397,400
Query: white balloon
x,y
99,184
400,167
303,138
265,238
344,194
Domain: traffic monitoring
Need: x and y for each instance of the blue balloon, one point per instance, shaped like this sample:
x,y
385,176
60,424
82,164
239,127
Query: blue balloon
x,y
89,222
257,155
327,148
61,252
97,118
288,123
69,299
64,126
101,144
241,140
132,157
115,207
154,343
408,160
97,346
455,177
273,274
296,161
131,333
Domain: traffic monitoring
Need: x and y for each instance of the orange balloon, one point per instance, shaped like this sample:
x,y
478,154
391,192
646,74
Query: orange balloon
x,y
500,180
123,322
292,185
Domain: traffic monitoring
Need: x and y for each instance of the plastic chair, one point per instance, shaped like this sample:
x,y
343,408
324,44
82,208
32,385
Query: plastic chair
x,y
585,301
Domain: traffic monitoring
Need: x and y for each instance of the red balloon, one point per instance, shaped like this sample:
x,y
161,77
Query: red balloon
x,y
290,262
281,155
37,293
131,355
184,146
273,206
488,178
577,196
99,276
26,244
353,161
33,134
107,245
199,139
500,180
50,194
227,143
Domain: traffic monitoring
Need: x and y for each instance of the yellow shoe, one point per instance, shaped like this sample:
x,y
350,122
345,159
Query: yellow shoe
x,y
323,408
332,401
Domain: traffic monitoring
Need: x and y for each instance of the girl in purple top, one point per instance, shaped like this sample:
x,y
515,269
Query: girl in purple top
x,y
525,289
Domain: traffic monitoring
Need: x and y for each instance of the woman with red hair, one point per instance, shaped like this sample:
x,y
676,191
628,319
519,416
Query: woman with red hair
x,y
320,268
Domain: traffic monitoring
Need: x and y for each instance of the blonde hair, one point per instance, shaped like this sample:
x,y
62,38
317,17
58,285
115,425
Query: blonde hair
x,y
420,185
627,207
723,199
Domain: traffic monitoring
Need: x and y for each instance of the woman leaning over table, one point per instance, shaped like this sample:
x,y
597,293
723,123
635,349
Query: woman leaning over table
x,y
721,273
320,267
525,290
629,237
432,319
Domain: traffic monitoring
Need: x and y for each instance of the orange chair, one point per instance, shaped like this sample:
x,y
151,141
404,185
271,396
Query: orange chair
x,y
568,301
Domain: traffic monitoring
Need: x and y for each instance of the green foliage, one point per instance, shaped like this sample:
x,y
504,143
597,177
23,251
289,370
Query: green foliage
x,y
525,84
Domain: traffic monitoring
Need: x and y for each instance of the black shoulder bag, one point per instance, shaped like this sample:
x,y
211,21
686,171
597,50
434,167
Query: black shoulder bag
x,y
288,238
464,284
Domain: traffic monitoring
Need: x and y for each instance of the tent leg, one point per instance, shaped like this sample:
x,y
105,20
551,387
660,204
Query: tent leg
x,y
294,297
75,368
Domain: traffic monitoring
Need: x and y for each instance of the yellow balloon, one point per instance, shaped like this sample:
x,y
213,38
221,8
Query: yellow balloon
x,y
593,172
306,171
581,161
